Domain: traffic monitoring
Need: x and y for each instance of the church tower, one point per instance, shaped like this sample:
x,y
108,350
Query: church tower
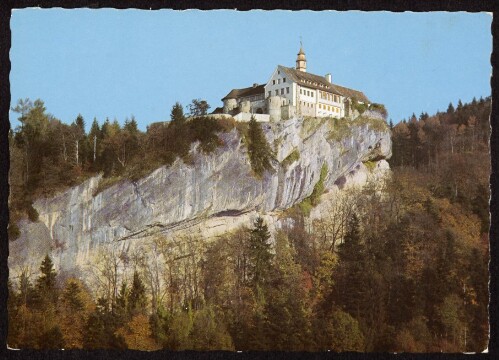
x,y
301,62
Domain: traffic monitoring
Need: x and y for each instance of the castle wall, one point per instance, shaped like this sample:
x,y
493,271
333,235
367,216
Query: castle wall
x,y
274,104
244,116
229,104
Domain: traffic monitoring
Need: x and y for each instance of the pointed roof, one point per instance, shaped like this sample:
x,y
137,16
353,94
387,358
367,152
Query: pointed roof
x,y
320,83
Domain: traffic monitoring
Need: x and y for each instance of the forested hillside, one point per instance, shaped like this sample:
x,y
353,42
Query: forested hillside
x,y
396,266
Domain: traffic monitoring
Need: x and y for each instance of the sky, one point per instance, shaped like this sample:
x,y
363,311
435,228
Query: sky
x,y
118,63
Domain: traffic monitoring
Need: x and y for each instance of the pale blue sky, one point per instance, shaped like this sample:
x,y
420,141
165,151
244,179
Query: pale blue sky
x,y
115,63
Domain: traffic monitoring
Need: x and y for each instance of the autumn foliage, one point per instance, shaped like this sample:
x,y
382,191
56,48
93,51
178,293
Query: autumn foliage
x,y
397,266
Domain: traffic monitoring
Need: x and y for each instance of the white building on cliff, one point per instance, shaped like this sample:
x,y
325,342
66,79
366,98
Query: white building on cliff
x,y
292,91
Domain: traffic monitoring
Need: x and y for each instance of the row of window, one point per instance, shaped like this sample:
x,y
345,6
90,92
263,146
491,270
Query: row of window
x,y
329,108
330,97
281,91
278,81
307,104
313,83
307,92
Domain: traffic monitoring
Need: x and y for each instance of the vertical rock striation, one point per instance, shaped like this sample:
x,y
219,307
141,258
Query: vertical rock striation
x,y
216,193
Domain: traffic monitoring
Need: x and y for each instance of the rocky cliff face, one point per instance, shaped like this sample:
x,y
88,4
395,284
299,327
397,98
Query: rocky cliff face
x,y
214,194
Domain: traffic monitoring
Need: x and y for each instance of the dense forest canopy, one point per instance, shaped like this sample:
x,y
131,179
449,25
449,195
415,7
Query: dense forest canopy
x,y
395,266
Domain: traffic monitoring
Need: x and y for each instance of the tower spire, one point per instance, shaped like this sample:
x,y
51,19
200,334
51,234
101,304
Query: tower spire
x,y
301,61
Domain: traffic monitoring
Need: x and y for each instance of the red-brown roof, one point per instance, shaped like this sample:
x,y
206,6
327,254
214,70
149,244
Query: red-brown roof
x,y
315,81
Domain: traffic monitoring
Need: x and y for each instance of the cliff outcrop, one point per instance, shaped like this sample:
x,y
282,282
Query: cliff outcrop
x,y
213,194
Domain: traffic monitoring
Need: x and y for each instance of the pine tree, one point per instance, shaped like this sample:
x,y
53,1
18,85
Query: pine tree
x,y
350,285
131,125
80,123
259,151
450,109
459,105
46,283
72,296
259,252
177,114
137,298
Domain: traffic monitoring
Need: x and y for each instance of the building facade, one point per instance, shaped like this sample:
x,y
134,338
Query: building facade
x,y
294,91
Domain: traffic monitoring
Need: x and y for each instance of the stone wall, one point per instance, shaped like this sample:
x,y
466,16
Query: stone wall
x,y
247,117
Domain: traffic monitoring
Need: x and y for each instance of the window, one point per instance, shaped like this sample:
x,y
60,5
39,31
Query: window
x,y
278,81
270,93
312,94
320,106
282,91
287,90
300,91
308,93
277,91
283,80
273,82
278,72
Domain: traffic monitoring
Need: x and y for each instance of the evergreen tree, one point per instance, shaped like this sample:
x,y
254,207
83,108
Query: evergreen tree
x,y
46,283
137,298
459,105
72,296
100,329
80,123
177,114
350,285
131,125
450,109
259,252
259,150
390,124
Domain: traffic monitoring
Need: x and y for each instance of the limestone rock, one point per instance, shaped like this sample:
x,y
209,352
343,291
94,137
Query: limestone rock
x,y
215,194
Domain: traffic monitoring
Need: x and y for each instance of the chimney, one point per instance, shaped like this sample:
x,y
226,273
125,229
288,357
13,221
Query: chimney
x,y
328,78
255,85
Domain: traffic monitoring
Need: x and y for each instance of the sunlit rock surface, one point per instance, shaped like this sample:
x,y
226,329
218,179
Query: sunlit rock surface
x,y
215,194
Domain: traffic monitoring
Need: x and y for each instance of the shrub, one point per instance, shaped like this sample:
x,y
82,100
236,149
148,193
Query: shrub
x,y
291,158
375,124
359,107
226,124
105,183
319,187
204,130
370,165
305,207
379,108
313,200
339,129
